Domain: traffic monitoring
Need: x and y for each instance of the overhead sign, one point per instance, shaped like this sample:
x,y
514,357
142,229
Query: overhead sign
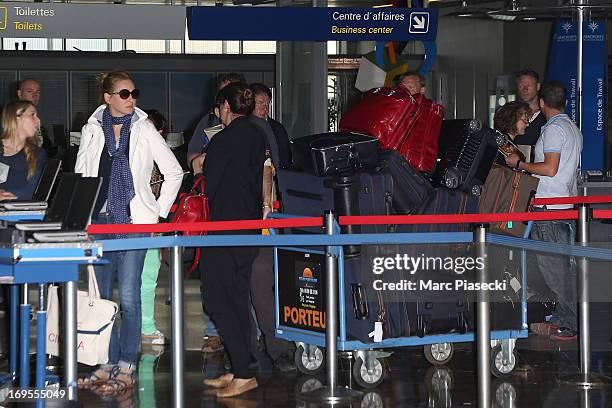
x,y
562,66
419,22
312,24
60,20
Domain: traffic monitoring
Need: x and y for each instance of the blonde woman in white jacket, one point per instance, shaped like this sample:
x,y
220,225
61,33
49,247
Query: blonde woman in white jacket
x,y
120,145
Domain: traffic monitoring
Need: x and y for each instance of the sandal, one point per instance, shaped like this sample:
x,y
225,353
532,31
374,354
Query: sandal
x,y
123,398
120,379
97,376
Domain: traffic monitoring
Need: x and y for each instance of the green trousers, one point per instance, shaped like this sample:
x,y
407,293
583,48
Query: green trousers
x,y
146,380
148,284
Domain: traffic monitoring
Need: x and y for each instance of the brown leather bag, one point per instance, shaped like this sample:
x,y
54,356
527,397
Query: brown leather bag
x,y
156,181
507,191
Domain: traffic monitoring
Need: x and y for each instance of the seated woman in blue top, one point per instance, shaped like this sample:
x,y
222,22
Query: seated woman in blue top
x,y
21,160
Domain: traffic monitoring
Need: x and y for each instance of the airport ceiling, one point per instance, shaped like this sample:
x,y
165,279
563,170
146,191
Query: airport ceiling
x,y
507,10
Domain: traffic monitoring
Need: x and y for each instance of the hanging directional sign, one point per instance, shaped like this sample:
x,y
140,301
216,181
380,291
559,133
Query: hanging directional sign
x,y
419,22
59,20
312,23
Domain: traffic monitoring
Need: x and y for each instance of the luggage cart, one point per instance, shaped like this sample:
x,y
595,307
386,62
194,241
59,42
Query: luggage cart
x,y
368,369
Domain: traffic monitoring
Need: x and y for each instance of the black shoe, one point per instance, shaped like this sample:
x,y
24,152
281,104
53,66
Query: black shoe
x,y
54,363
284,364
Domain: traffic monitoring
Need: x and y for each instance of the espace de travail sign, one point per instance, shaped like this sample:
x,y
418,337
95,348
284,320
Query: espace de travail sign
x,y
60,20
312,24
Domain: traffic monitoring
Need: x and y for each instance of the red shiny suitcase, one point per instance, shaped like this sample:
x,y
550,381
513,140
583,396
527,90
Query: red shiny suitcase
x,y
389,114
420,147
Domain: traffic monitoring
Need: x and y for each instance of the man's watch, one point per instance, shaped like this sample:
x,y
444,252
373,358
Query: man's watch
x,y
518,162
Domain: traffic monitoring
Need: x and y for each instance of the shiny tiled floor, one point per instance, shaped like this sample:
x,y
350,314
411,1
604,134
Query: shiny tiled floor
x,y
411,381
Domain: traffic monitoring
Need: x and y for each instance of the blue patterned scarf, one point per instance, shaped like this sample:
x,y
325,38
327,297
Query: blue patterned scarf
x,y
121,185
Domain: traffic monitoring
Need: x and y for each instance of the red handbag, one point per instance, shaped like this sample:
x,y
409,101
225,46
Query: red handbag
x,y
193,207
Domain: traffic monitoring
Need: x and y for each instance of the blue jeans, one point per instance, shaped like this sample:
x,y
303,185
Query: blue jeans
x,y
558,271
210,329
126,267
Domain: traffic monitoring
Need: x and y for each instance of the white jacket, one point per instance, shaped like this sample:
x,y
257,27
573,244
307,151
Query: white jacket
x,y
146,146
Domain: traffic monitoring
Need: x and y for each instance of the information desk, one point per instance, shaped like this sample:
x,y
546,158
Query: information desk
x,y
22,264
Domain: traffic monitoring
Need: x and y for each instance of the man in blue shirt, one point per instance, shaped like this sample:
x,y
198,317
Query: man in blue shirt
x,y
199,138
557,162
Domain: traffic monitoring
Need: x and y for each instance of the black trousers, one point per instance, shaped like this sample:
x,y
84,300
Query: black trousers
x,y
225,286
262,294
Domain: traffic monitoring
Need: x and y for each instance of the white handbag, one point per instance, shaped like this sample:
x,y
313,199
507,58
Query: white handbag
x,y
95,319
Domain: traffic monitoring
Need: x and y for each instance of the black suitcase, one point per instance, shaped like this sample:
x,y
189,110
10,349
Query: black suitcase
x,y
304,194
361,194
366,306
465,156
328,154
402,314
444,316
505,264
410,188
445,201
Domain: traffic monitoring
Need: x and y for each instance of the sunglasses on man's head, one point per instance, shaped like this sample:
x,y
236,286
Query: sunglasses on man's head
x,y
124,93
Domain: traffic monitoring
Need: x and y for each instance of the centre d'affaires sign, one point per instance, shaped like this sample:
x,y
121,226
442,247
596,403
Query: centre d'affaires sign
x,y
60,20
312,23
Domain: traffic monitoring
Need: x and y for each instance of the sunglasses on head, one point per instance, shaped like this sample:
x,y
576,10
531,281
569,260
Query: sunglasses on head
x,y
124,93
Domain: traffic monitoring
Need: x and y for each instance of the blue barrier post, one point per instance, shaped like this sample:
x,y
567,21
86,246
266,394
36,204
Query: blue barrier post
x,y
331,318
585,378
41,337
14,337
178,343
483,321
70,339
24,339
331,393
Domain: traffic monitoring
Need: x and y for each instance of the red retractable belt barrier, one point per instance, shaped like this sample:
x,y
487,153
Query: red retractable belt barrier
x,y
602,214
369,219
457,218
206,226
599,199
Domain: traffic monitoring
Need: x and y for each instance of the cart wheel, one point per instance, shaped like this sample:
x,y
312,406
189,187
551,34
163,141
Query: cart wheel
x,y
439,377
439,382
505,394
306,384
368,378
310,364
499,367
438,353
372,400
